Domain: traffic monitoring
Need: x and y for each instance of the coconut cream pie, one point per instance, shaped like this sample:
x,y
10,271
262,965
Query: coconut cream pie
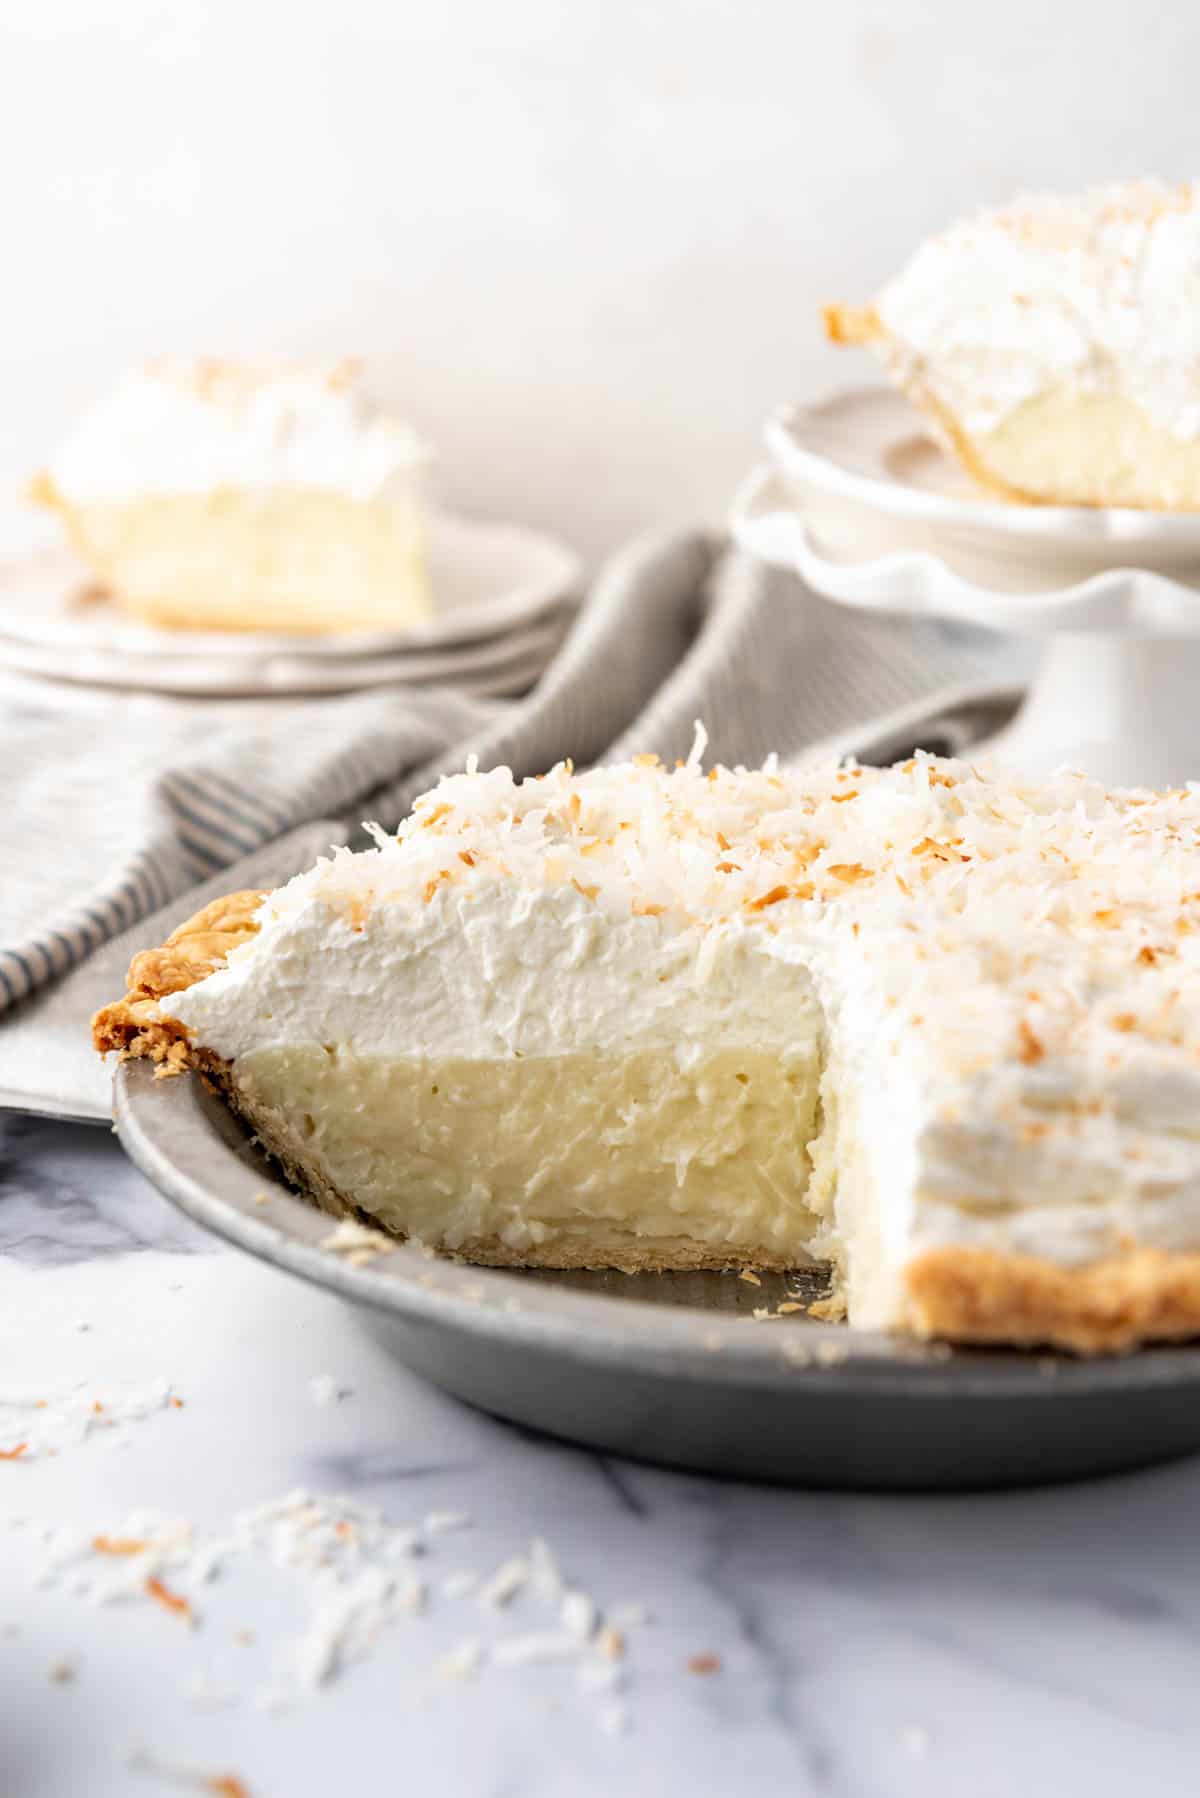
x,y
1055,344
930,1023
208,495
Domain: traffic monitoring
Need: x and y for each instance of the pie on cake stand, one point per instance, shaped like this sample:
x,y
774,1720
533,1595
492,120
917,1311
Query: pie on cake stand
x,y
862,502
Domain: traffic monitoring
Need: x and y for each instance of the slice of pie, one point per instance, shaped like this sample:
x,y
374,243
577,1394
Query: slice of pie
x,y
208,495
1055,345
931,1024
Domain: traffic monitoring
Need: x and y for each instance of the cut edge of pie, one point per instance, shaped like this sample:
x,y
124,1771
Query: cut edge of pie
x,y
956,1293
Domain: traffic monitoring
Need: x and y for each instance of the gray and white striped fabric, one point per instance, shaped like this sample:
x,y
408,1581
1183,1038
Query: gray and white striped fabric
x,y
112,815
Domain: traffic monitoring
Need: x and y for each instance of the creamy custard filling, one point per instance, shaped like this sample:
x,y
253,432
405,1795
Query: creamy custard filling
x,y
541,1153
1071,441
285,558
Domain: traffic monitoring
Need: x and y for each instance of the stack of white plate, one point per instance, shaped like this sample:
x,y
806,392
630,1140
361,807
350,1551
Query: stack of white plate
x,y
504,598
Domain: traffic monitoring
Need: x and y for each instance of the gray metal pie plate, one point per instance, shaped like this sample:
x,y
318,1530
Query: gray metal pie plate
x,y
674,1367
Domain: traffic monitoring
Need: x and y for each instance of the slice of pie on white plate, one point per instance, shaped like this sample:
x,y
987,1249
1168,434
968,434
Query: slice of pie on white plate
x,y
231,496
933,1024
1055,345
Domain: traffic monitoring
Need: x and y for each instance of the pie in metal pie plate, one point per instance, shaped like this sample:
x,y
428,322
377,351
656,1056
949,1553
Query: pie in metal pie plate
x,y
674,1367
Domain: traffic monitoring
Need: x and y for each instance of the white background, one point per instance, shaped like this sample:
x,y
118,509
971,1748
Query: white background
x,y
583,244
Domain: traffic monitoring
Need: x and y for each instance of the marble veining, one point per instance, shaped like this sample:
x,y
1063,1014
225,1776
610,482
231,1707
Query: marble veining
x,y
869,1647
68,1193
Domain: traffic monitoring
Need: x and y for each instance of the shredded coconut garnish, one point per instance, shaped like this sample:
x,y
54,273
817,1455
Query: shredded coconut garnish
x,y
505,1583
179,1773
462,1662
35,1421
353,1570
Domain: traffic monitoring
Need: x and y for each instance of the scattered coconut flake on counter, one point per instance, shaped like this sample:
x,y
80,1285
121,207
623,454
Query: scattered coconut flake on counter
x,y
539,1645
37,1422
180,1773
599,1676
348,1615
610,1642
547,1581
704,1664
352,1571
578,1615
505,1583
462,1662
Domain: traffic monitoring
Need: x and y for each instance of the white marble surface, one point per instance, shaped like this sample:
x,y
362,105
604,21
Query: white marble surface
x,y
1024,1644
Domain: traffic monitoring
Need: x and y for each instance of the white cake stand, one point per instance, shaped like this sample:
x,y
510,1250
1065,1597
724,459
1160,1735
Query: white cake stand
x,y
862,503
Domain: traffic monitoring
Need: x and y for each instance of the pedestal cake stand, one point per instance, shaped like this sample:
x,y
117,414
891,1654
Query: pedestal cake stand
x,y
862,503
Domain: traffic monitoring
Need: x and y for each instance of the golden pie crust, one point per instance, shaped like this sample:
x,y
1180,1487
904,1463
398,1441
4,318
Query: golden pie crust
x,y
967,1295
134,1026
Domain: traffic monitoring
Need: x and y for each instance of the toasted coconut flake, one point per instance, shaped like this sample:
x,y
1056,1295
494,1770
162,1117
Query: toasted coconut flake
x,y
704,1664
174,1602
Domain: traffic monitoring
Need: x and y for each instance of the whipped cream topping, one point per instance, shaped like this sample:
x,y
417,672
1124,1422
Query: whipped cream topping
x,y
180,426
1099,292
1008,972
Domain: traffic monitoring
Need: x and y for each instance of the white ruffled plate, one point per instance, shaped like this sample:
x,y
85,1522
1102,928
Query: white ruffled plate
x,y
864,505
881,563
868,455
502,595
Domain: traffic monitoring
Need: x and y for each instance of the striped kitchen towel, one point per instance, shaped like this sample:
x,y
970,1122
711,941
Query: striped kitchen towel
x,y
112,814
